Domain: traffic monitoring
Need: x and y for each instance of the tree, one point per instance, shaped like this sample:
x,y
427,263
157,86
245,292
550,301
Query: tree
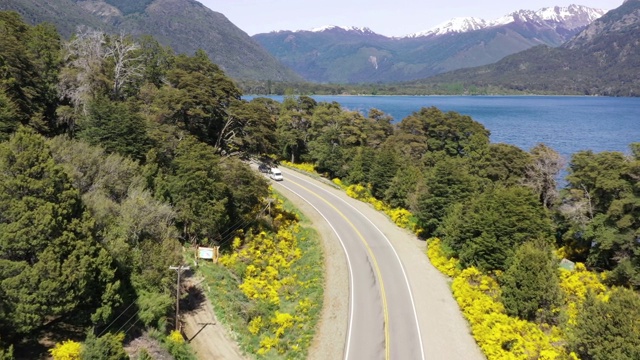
x,y
50,263
530,285
196,189
122,55
116,128
447,183
488,228
9,120
607,183
608,329
293,125
197,99
82,77
403,185
246,190
383,169
255,130
601,175
542,172
45,48
28,71
504,163
359,166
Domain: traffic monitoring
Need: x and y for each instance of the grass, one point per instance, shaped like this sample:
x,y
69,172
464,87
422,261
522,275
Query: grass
x,y
235,310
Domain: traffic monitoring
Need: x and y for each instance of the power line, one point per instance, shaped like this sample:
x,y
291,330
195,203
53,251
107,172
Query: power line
x,y
118,317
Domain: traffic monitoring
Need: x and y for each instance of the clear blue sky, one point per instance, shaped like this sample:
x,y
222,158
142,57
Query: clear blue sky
x,y
386,17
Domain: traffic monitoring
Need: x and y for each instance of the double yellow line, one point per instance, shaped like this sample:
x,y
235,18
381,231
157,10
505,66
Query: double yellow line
x,y
375,265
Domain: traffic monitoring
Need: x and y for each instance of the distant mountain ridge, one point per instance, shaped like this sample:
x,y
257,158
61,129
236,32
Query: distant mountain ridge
x,y
184,25
335,54
570,17
601,60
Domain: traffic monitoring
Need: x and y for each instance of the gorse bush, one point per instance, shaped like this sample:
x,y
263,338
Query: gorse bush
x,y
67,350
447,265
307,167
576,285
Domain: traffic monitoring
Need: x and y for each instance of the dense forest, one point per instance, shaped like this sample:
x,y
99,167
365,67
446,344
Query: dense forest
x,y
116,153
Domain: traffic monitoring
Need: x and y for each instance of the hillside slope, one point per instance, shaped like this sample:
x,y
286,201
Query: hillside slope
x,y
184,25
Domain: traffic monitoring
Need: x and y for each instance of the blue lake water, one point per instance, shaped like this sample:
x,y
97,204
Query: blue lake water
x,y
565,123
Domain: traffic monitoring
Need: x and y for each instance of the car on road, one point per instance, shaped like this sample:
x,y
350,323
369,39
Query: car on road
x,y
263,168
275,174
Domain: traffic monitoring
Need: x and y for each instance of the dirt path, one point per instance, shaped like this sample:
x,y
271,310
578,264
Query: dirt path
x,y
208,338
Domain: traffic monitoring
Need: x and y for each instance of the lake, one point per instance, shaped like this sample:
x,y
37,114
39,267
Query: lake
x,y
565,123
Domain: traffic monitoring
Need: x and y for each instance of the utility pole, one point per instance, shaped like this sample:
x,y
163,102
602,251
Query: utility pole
x,y
179,270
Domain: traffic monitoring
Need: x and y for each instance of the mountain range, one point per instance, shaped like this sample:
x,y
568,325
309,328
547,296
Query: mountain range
x,y
183,25
553,50
335,54
603,59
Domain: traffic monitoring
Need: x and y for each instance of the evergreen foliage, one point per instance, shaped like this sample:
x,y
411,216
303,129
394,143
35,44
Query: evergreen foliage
x,y
116,128
52,265
608,329
106,347
530,285
197,191
487,229
86,230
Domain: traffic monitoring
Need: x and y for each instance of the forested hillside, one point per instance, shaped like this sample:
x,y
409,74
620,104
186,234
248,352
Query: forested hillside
x,y
116,155
183,25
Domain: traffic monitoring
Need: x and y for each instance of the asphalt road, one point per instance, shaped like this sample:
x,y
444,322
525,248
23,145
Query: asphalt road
x,y
383,323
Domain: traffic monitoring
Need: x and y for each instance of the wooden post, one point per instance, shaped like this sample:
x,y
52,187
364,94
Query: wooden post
x,y
179,270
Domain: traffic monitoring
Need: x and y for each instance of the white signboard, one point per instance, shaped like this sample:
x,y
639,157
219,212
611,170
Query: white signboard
x,y
205,253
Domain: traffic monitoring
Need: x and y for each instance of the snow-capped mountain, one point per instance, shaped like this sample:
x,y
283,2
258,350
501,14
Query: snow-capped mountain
x,y
363,30
570,18
358,55
455,25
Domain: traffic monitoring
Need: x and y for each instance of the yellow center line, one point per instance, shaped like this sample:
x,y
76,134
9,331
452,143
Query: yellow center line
x,y
375,265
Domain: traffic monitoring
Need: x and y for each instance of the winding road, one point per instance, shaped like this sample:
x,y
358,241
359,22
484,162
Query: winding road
x,y
383,322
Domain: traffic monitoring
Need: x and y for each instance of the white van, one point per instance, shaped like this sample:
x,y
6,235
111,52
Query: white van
x,y
275,174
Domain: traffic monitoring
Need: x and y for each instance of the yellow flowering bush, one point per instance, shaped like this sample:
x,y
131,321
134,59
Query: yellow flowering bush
x,y
67,350
446,265
175,337
575,285
498,335
278,285
308,167
255,325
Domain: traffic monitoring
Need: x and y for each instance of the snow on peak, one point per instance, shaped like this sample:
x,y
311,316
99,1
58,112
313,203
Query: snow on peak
x,y
572,16
570,13
455,25
363,30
